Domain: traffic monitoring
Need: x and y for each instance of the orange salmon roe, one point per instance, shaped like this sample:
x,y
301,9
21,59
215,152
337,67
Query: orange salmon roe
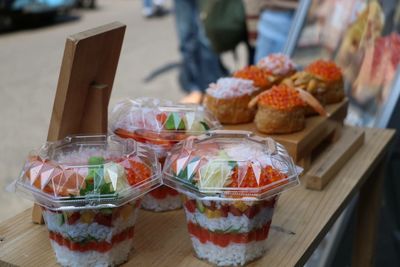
x,y
268,175
281,97
137,173
325,69
255,74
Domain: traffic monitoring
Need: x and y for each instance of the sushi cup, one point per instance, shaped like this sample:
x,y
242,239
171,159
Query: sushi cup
x,y
92,237
230,181
90,190
228,233
160,125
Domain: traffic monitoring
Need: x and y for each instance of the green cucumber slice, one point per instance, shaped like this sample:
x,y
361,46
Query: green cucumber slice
x,y
60,219
200,206
181,125
174,122
204,125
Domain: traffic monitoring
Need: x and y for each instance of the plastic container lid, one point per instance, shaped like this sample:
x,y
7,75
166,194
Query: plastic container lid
x,y
230,165
88,172
159,122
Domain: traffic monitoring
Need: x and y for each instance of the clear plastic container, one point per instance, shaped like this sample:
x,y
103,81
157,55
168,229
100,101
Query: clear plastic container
x,y
90,189
231,181
160,124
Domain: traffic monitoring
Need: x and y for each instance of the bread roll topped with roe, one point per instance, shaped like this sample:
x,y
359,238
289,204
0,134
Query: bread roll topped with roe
x,y
278,65
323,79
262,79
228,100
280,110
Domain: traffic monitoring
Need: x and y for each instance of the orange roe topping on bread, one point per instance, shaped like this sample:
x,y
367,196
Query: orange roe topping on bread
x,y
281,97
327,70
255,74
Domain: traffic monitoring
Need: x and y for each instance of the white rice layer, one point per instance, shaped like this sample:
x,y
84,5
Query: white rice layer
x,y
239,224
117,255
168,203
232,255
79,231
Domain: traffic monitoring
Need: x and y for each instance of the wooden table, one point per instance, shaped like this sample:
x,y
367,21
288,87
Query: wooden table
x,y
301,220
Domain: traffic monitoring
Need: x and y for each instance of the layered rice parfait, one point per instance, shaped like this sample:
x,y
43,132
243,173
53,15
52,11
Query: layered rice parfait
x,y
160,125
230,181
90,189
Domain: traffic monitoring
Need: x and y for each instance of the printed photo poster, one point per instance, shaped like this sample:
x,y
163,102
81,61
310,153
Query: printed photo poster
x,y
362,37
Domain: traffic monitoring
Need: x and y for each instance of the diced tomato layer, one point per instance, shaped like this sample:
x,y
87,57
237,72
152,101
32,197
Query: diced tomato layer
x,y
224,239
223,211
190,205
101,246
162,192
103,219
74,217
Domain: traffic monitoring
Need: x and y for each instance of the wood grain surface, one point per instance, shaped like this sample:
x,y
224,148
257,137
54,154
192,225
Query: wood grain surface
x,y
301,144
331,160
301,220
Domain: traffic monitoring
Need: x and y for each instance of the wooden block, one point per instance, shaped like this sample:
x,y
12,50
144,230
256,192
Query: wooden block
x,y
90,58
333,158
302,143
37,214
84,86
304,162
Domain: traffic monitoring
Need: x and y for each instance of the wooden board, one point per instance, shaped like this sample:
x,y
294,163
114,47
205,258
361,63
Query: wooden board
x,y
84,86
301,220
90,59
301,144
333,158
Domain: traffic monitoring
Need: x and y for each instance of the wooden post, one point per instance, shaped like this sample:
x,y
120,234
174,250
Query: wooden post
x,y
84,86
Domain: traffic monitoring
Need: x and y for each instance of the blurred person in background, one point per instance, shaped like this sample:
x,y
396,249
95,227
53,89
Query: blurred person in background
x,y
268,24
200,64
152,8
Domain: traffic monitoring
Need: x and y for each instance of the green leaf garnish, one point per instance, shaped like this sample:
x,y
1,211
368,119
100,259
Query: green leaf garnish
x,y
205,125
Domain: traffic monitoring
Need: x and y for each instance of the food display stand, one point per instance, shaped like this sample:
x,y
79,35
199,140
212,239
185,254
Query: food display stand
x,y
301,220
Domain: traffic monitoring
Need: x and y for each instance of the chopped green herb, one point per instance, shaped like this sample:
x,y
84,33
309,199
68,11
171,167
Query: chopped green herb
x,y
106,189
107,211
96,160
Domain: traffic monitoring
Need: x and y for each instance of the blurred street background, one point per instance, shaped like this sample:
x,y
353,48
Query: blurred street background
x,y
31,55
